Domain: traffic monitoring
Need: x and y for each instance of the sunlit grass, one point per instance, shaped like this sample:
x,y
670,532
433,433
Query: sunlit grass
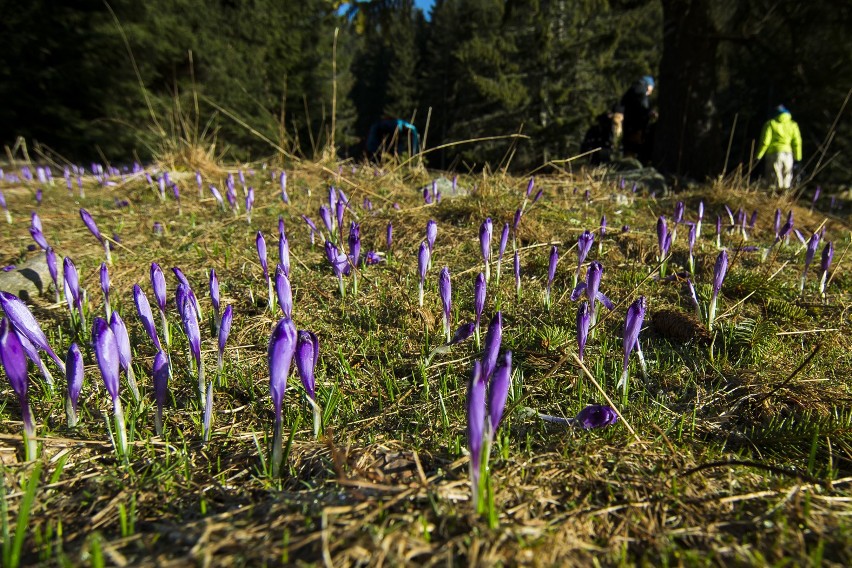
x,y
728,427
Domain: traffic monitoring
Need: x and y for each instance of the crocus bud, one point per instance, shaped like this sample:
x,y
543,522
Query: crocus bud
x,y
479,287
284,253
90,224
504,239
476,426
74,378
260,242
125,354
283,291
431,234
161,387
158,283
14,361
464,331
354,242
632,326
224,331
445,290
106,353
307,354
498,391
19,315
143,309
282,346
583,320
493,339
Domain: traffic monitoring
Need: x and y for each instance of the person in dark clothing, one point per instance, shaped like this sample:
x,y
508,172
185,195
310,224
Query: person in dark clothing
x,y
392,135
638,118
604,137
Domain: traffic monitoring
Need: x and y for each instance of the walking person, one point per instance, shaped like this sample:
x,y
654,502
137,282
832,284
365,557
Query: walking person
x,y
781,142
604,137
638,118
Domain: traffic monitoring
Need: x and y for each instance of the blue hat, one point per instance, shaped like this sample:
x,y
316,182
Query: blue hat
x,y
648,80
780,109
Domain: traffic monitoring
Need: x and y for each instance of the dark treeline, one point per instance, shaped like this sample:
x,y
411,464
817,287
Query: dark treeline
x,y
262,74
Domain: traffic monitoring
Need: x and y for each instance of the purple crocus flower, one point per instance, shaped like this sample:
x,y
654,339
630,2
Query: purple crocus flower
x,y
700,219
517,267
777,223
125,355
530,186
311,227
339,264
752,220
354,242
551,273
389,237
332,197
445,290
591,290
498,392
693,235
307,355
284,253
718,231
340,209
813,244
583,321
325,215
504,240
493,338
214,296
584,245
282,180
538,195
730,214
50,258
485,232
479,287
104,277
693,298
476,427
464,331
678,212
158,284
72,282
423,258
38,237
661,237
827,256
93,228
595,416
106,353
249,203
14,361
635,318
74,377
282,348
19,315
161,387
431,234
719,272
224,332
283,291
5,208
516,219
143,309
199,182
260,243
218,196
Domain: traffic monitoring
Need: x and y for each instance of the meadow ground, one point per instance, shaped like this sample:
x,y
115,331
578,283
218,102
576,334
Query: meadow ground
x,y
735,449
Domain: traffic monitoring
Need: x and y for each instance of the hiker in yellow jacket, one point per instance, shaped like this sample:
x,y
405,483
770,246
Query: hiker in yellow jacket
x,y
781,141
